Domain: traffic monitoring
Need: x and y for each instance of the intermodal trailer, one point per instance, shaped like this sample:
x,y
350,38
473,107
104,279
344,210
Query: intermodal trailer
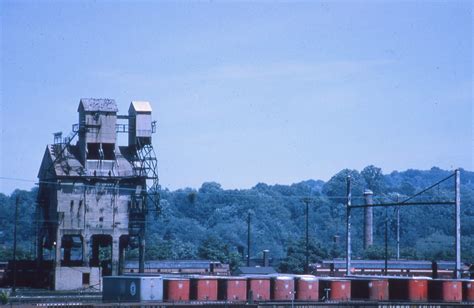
x,y
132,288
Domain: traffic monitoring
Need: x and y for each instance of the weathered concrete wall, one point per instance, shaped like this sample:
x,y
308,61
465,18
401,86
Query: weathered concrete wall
x,y
99,209
71,278
105,130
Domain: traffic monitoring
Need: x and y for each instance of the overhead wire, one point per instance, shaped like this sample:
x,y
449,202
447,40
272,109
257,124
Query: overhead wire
x,y
239,193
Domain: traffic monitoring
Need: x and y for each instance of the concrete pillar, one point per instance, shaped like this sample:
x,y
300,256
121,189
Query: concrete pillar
x,y
368,219
122,247
141,253
95,252
115,256
57,250
85,251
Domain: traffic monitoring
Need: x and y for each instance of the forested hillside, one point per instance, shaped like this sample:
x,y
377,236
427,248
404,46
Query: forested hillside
x,y
211,222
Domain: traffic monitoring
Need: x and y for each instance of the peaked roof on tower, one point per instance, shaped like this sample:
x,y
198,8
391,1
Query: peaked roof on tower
x,y
98,104
140,106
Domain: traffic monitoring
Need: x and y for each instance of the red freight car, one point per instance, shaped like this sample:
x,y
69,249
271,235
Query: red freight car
x,y
259,288
445,290
176,289
232,289
408,289
338,289
378,290
282,288
468,290
369,289
204,288
307,288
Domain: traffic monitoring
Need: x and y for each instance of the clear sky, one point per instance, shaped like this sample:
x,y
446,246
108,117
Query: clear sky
x,y
246,92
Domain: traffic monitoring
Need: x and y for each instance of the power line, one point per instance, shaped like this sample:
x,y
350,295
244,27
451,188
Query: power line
x,y
222,193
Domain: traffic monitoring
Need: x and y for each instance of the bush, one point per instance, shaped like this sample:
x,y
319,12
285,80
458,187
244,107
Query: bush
x,y
3,297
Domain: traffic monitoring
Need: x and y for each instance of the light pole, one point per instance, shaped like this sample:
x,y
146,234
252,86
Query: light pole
x,y
248,239
17,200
306,270
398,228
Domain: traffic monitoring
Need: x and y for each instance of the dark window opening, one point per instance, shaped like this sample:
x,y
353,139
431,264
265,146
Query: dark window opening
x,y
86,278
71,250
101,219
109,151
93,151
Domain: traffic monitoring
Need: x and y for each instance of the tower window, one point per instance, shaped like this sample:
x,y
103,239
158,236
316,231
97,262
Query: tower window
x,y
109,151
93,151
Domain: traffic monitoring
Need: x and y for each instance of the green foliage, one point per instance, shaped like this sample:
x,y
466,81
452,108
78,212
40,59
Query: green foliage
x,y
374,179
436,246
214,249
374,252
4,297
295,260
211,222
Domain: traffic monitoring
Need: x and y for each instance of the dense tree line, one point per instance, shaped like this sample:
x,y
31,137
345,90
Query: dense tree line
x,y
211,222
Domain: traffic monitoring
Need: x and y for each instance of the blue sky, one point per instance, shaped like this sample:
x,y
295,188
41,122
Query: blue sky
x,y
246,92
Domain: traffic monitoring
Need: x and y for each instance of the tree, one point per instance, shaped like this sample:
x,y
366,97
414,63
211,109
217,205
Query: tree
x,y
214,249
374,179
374,252
295,260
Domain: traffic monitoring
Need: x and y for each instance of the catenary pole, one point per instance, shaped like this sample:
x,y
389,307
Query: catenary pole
x,y
17,200
457,188
348,227
248,239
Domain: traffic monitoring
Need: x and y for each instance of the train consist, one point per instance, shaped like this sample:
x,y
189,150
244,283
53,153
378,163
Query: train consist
x,y
303,288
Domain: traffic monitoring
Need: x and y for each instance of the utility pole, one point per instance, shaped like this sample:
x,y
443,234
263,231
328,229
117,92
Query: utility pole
x,y
398,228
306,201
17,200
457,189
348,226
386,240
248,239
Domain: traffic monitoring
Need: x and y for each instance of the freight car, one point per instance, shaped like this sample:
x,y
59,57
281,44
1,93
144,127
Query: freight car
x,y
286,288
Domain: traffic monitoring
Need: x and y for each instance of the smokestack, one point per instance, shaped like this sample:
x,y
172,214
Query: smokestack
x,y
265,257
368,219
